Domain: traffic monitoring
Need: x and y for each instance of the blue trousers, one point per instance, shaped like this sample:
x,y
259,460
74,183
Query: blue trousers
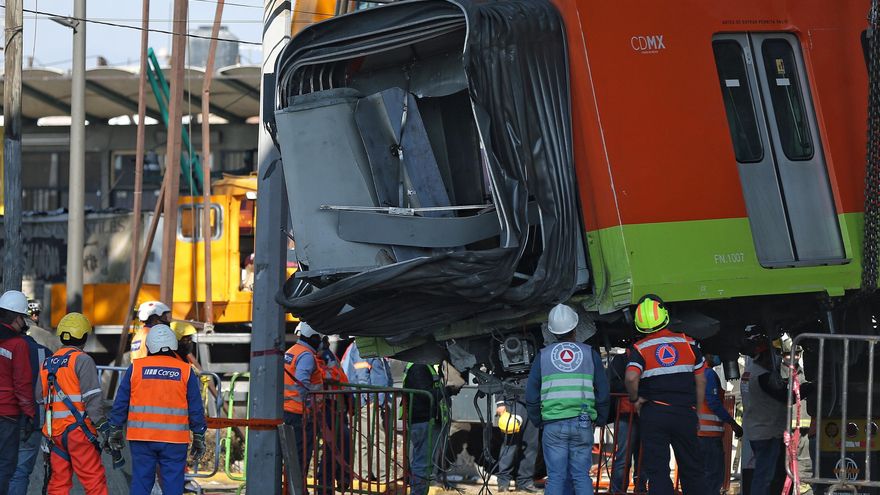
x,y
662,427
28,451
170,458
626,455
712,449
304,435
10,433
421,449
767,454
568,453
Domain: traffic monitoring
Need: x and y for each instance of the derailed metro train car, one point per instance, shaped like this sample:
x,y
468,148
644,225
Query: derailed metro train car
x,y
455,167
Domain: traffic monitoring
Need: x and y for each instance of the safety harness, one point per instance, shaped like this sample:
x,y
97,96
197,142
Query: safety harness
x,y
52,365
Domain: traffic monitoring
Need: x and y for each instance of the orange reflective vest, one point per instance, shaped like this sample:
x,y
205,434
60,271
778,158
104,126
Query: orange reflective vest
x,y
293,400
332,372
62,393
139,343
158,410
710,424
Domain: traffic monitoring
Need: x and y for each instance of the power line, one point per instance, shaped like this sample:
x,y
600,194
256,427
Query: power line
x,y
135,28
233,4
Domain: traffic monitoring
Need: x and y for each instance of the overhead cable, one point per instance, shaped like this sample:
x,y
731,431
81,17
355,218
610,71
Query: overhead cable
x,y
135,28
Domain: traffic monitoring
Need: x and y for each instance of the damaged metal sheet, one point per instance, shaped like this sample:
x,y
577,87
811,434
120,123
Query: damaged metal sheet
x,y
504,139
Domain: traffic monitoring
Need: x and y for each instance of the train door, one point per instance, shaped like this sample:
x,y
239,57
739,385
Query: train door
x,y
778,152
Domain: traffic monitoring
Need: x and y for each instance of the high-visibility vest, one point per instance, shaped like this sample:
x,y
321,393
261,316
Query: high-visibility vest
x,y
158,410
567,381
710,424
139,343
332,371
293,400
61,393
438,388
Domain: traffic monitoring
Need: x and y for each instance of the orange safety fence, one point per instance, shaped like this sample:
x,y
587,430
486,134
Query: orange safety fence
x,y
627,450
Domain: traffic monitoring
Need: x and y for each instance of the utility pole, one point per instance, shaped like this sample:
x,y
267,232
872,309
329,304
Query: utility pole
x,y
267,335
13,256
172,150
76,195
140,141
206,165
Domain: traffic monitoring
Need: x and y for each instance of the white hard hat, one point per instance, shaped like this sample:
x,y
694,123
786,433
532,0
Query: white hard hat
x,y
150,308
562,319
161,338
306,330
14,301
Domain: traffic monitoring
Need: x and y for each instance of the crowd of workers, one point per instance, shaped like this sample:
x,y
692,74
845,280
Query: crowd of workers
x,y
674,401
51,400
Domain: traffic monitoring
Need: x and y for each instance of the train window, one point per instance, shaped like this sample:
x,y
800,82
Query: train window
x,y
787,99
731,64
189,222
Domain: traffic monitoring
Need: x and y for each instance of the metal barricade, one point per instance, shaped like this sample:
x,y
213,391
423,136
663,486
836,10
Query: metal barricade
x,y
624,450
848,439
228,438
352,442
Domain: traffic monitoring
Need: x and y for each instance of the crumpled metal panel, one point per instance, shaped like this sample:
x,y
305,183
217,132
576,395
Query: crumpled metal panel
x,y
515,62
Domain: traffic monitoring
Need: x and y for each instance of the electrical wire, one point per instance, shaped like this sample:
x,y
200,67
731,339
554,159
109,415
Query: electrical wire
x,y
232,4
134,28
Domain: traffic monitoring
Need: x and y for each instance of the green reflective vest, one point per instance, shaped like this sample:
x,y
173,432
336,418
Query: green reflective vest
x,y
567,381
438,389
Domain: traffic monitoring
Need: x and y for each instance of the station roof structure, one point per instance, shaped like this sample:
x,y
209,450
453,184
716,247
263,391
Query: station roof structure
x,y
113,92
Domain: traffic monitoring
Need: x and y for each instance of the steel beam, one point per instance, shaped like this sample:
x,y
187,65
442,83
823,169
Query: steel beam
x,y
55,102
243,87
196,101
119,99
267,344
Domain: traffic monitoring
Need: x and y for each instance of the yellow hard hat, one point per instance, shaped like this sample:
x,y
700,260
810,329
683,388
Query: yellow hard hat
x,y
75,325
510,423
651,315
182,329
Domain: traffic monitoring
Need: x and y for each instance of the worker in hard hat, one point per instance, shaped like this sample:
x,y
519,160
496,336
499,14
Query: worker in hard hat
x,y
336,423
150,313
302,375
425,420
185,333
74,413
40,335
519,448
17,406
765,417
626,458
713,418
665,381
29,446
567,394
159,400
372,411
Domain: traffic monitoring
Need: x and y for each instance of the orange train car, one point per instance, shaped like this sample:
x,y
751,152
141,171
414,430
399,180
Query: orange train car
x,y
456,167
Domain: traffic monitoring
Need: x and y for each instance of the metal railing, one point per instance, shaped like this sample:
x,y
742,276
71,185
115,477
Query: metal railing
x,y
846,469
352,441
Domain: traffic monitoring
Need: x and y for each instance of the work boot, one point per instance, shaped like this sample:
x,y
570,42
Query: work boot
x,y
527,487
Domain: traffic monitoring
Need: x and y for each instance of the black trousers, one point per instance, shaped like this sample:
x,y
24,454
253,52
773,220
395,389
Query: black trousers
x,y
519,453
662,427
